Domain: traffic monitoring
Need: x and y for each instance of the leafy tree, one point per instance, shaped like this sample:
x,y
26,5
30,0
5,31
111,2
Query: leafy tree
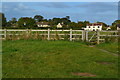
x,y
3,20
26,22
64,21
68,17
12,22
104,25
81,24
114,24
38,18
74,25
86,22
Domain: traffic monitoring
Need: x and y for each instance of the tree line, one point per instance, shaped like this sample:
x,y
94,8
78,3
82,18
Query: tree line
x,y
30,23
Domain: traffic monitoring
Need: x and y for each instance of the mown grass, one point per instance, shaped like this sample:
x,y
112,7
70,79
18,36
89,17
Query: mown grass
x,y
55,59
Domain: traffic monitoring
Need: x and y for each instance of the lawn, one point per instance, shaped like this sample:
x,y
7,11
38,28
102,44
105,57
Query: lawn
x,y
56,59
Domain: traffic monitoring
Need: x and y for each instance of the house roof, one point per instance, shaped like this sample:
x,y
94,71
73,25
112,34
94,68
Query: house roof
x,y
94,24
42,23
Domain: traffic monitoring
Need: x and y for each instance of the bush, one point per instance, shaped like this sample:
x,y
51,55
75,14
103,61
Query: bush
x,y
109,39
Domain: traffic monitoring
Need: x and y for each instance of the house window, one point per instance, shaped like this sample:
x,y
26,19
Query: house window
x,y
98,26
89,26
93,26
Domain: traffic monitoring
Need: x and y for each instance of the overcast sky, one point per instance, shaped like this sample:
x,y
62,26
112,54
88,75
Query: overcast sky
x,y
78,11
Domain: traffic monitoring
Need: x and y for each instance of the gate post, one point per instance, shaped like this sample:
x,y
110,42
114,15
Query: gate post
x,y
86,35
70,34
98,37
48,34
5,33
83,35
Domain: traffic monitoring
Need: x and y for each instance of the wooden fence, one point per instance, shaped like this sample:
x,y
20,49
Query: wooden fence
x,y
72,35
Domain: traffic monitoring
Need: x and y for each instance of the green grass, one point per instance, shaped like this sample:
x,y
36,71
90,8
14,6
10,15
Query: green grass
x,y
55,59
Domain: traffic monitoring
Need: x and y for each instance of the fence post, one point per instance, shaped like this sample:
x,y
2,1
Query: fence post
x,y
48,34
5,33
27,31
83,35
86,35
70,34
98,37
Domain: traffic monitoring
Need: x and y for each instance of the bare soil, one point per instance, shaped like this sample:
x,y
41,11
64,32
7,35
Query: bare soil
x,y
84,74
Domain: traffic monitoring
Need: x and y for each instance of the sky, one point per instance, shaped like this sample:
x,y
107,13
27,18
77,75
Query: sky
x,y
78,11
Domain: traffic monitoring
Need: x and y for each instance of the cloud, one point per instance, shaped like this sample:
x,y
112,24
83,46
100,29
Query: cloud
x,y
54,5
99,7
17,10
92,11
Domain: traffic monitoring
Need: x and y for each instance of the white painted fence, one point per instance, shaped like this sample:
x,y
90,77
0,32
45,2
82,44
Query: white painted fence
x,y
83,35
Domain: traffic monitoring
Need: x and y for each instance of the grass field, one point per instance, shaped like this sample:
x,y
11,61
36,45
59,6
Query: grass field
x,y
56,59
111,47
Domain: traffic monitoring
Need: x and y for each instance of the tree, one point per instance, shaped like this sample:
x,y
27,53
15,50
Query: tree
x,y
26,22
104,25
114,24
68,17
64,21
3,20
86,22
38,18
74,25
13,20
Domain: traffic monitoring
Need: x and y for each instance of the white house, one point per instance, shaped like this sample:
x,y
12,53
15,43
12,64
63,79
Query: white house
x,y
108,28
42,24
93,27
59,25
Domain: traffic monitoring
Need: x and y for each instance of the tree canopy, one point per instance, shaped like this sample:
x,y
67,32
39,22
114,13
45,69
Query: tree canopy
x,y
26,22
38,18
114,24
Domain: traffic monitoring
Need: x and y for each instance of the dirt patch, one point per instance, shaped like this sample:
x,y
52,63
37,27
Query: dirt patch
x,y
84,74
106,63
91,46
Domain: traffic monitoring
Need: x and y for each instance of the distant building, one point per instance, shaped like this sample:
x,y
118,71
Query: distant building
x,y
118,26
108,28
93,27
59,25
43,24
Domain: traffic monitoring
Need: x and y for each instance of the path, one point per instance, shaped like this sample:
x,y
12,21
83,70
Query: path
x,y
103,50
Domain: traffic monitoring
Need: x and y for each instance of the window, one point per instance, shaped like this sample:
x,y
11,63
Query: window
x,y
98,26
89,26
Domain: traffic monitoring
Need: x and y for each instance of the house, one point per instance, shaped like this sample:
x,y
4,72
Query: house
x,y
108,28
93,27
43,24
118,26
59,25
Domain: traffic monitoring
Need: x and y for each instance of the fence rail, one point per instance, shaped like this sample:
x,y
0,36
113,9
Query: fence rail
x,y
71,34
